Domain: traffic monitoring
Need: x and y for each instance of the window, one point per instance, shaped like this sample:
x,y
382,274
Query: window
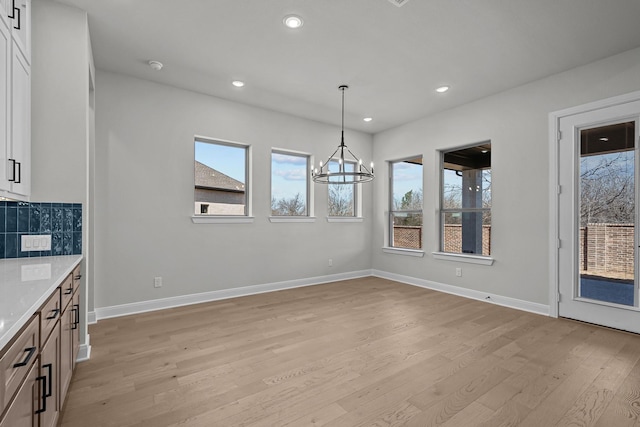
x,y
466,200
342,197
405,213
289,184
220,178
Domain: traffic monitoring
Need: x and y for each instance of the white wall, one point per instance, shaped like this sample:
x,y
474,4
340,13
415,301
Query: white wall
x,y
60,90
60,117
144,197
516,122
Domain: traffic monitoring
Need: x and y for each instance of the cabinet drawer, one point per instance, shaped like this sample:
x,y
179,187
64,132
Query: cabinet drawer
x,y
67,291
16,362
49,315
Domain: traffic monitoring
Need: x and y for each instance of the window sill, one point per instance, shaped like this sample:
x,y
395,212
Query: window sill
x,y
402,251
470,259
221,219
292,218
345,219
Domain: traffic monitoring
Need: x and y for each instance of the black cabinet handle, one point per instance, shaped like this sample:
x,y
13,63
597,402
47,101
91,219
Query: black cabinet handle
x,y
69,291
13,9
77,308
31,351
19,169
13,170
44,394
78,277
55,312
49,367
74,325
17,27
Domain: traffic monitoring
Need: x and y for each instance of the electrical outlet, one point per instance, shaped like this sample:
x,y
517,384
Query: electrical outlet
x,y
330,262
157,282
41,242
459,272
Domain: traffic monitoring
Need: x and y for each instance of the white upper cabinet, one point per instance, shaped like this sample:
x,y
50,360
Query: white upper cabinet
x,y
15,99
19,158
5,101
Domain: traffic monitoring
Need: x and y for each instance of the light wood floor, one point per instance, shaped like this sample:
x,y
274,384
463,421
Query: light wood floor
x,y
365,352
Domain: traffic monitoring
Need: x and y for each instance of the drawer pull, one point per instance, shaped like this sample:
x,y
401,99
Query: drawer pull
x,y
69,291
49,368
31,351
78,277
44,394
55,312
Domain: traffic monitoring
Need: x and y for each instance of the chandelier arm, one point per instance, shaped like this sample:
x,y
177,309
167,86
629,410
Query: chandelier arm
x,y
330,158
362,166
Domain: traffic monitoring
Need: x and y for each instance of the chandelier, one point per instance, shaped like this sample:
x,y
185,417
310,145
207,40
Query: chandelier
x,y
350,168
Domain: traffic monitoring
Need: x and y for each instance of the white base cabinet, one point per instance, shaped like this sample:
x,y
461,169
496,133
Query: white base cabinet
x,y
36,366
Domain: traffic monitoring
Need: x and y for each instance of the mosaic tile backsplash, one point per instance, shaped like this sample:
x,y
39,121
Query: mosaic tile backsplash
x,y
63,221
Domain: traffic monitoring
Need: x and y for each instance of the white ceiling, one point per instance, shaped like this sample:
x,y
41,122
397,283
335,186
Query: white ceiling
x,y
391,57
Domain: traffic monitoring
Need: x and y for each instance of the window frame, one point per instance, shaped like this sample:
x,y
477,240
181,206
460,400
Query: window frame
x,y
472,258
308,217
389,248
226,218
357,208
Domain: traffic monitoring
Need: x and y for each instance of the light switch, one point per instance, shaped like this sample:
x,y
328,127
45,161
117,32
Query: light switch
x,y
35,243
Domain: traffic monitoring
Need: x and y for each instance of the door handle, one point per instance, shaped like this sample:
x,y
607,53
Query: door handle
x,y
44,394
49,368
13,170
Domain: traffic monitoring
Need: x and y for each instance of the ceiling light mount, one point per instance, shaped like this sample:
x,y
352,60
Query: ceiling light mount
x,y
443,89
155,65
342,154
237,83
293,21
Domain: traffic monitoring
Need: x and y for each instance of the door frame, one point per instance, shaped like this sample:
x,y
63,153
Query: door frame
x,y
554,186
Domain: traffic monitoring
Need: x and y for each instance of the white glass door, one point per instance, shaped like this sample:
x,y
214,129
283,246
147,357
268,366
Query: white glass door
x,y
598,216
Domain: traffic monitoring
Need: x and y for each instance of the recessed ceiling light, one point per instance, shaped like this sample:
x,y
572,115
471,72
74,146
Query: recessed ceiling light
x,y
293,21
442,89
237,83
367,119
485,151
604,139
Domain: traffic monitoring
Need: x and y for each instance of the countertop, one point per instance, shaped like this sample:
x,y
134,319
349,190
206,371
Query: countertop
x,y
25,284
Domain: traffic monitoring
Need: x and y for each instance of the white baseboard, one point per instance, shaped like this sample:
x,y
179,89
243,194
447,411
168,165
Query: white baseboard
x,y
84,352
518,304
161,304
164,303
91,318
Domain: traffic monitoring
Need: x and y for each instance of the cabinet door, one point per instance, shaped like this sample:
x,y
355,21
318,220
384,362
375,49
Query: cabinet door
x,y
66,363
5,85
22,412
3,11
20,23
19,162
75,329
50,369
